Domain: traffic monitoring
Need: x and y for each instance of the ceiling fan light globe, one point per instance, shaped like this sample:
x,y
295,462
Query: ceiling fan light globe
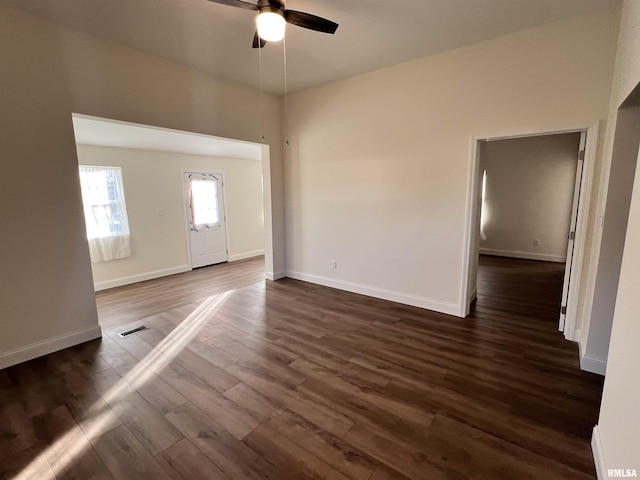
x,y
270,26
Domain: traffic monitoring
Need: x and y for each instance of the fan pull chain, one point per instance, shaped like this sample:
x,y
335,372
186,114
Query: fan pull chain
x,y
260,101
286,102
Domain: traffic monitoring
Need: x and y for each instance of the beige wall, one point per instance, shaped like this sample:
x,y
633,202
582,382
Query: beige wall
x,y
529,195
48,72
617,437
377,172
618,200
153,181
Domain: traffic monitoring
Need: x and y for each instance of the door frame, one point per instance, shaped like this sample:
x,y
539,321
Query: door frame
x,y
468,262
185,214
575,209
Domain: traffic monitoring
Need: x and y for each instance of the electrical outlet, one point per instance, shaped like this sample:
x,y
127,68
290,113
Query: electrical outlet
x,y
535,242
334,264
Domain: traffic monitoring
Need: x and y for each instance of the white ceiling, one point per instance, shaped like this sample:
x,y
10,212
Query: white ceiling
x,y
372,33
113,133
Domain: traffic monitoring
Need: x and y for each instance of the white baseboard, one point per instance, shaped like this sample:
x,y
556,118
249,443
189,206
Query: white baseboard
x,y
598,455
242,256
45,347
118,282
545,257
398,297
275,276
473,296
593,365
587,363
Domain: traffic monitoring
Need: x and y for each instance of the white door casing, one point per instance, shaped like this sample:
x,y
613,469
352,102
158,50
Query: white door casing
x,y
206,219
571,329
572,232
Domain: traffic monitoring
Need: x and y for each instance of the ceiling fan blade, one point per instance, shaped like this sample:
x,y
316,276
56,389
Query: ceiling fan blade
x,y
258,42
238,3
312,22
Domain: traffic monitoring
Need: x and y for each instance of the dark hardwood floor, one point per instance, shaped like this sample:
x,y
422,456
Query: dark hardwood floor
x,y
133,302
289,380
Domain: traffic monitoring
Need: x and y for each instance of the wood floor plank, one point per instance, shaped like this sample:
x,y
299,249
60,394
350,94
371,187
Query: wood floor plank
x,y
16,430
288,456
86,405
256,404
28,464
228,453
334,451
405,459
315,412
143,421
469,453
238,421
126,458
155,390
183,461
66,449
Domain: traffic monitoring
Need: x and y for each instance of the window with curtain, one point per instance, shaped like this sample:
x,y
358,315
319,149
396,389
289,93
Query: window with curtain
x,y
105,213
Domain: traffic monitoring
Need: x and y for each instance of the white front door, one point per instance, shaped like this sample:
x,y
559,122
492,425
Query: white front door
x,y
206,219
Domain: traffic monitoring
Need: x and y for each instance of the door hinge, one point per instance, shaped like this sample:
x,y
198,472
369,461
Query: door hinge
x,y
572,235
563,310
581,155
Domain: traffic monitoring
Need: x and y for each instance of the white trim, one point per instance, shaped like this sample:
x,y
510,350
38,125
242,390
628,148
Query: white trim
x,y
545,257
45,347
593,365
275,276
581,230
474,295
249,150
242,256
580,242
472,193
398,297
141,277
587,363
598,455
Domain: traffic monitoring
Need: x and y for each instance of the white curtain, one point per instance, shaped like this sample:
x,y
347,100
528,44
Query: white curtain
x,y
105,213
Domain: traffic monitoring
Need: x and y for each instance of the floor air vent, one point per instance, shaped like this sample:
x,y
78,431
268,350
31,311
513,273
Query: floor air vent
x,y
132,331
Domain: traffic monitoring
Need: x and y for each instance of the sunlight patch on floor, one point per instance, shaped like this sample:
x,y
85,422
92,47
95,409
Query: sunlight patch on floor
x,y
58,456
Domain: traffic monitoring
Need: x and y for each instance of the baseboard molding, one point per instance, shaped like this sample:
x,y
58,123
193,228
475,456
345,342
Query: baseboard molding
x,y
545,257
598,455
119,282
593,365
398,297
45,347
275,276
587,363
473,296
242,256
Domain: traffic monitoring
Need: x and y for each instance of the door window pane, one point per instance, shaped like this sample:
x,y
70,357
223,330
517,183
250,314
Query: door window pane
x,y
204,202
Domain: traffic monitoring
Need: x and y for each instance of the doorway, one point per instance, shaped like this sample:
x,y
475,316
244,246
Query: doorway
x,y
206,218
570,251
156,158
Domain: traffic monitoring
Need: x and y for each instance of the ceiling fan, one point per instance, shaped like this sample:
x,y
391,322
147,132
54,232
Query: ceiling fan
x,y
273,16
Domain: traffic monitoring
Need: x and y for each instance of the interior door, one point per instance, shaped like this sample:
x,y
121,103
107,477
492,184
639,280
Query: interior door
x,y
206,219
572,232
